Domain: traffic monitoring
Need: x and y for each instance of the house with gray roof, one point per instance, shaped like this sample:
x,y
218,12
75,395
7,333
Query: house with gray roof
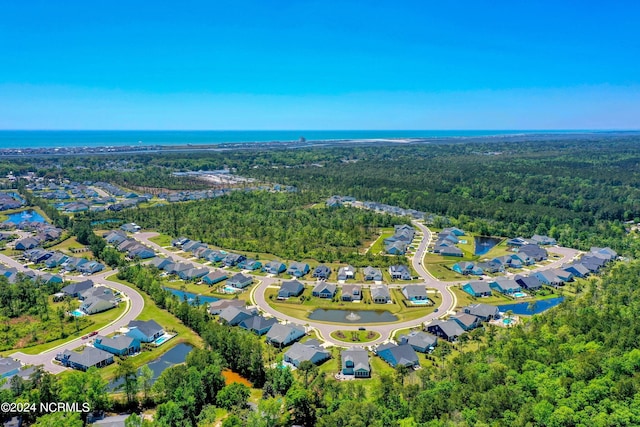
x,y
534,251
216,307
274,267
351,293
324,290
193,273
398,355
214,277
321,272
309,351
75,289
450,330
530,283
145,330
346,273
98,304
466,321
282,335
543,240
400,272
606,253
505,286
234,315
380,294
120,345
477,288
415,293
96,291
240,281
160,263
355,361
9,367
448,250
577,269
298,269
548,277
419,341
371,273
87,358
258,324
484,312
290,288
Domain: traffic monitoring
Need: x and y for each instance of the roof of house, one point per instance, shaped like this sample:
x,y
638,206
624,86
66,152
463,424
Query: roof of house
x,y
347,269
403,354
380,291
231,312
7,365
240,278
450,327
306,351
119,342
358,355
147,327
291,286
258,322
481,310
506,284
534,251
466,319
414,291
295,265
221,304
280,332
479,286
402,269
351,289
89,356
528,281
372,271
215,275
76,288
324,287
419,339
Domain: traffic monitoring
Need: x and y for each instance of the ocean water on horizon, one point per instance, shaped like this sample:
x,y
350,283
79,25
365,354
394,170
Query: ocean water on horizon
x,y
18,139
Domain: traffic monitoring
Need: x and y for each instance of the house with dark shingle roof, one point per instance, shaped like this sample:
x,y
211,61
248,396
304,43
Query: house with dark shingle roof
x,y
450,330
477,288
530,283
346,273
355,361
308,351
398,355
351,293
291,288
217,307
259,325
145,330
160,263
400,272
380,294
214,277
505,286
121,345
274,267
484,312
372,273
466,321
578,270
324,290
548,277
415,293
75,289
87,358
193,273
419,341
234,315
240,281
282,335
298,269
534,251
321,272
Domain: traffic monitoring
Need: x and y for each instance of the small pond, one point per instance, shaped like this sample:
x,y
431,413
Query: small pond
x,y
483,244
191,298
29,215
352,316
176,355
522,308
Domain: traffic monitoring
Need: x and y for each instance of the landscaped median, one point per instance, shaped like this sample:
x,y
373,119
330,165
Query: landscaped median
x,y
360,336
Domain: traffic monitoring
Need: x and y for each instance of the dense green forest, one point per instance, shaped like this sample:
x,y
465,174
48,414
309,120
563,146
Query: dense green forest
x,y
283,224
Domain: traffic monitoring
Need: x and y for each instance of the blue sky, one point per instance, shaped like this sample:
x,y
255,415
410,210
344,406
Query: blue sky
x,y
319,65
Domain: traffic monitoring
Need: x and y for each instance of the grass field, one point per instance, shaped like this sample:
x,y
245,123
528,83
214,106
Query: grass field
x,y
161,240
465,299
355,336
378,246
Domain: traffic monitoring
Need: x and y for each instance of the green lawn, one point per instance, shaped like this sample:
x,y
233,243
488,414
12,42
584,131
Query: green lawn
x,y
378,246
161,240
355,336
465,299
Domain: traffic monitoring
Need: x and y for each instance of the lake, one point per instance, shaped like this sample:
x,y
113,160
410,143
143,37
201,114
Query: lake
x,y
176,355
483,244
522,308
191,298
352,316
29,215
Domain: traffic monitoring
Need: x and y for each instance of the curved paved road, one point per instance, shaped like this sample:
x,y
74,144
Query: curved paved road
x,y
133,299
447,304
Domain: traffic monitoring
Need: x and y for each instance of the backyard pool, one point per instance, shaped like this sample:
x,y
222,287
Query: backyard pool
x,y
483,244
529,308
163,339
191,298
352,316
230,289
421,302
77,313
29,215
507,321
519,294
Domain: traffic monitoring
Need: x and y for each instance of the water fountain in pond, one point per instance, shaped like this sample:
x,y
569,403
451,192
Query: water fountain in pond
x,y
352,316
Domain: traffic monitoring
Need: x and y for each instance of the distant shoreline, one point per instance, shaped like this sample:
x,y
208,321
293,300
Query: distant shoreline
x,y
24,145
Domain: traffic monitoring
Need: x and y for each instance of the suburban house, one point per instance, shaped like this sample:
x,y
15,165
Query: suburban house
x,y
141,252
395,248
190,245
548,277
398,355
87,358
562,274
450,330
453,230
214,277
491,267
291,288
160,263
516,242
258,324
282,335
419,341
132,227
371,273
400,272
466,268
90,267
309,351
415,293
530,283
37,255
324,290
250,264
178,267
26,243
120,345
50,278
193,273
217,307
98,304
56,260
351,293
346,273
534,251
9,367
505,286
145,330
321,272
543,240
298,269
96,291
274,267
355,361
240,281
606,253
75,289
216,256
484,312
233,315
593,263
115,237
466,321
578,270
477,288
380,294
449,250
73,263
233,259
